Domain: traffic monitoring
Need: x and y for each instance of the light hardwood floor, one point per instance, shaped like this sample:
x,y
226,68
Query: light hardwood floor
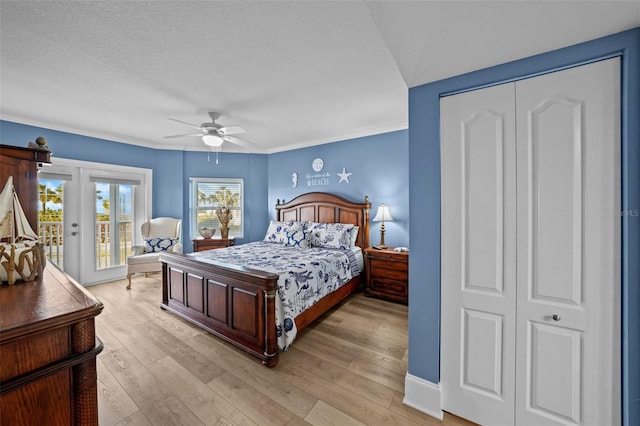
x,y
347,368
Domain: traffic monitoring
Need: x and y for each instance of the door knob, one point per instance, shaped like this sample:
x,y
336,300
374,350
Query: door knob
x,y
555,317
74,233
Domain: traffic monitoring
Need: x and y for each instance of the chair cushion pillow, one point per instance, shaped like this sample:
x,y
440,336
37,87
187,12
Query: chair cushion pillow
x,y
155,245
144,259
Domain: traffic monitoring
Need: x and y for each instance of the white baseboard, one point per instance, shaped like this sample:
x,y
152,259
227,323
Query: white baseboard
x,y
422,395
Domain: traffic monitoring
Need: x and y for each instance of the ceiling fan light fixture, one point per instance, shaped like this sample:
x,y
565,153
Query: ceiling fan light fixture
x,y
212,140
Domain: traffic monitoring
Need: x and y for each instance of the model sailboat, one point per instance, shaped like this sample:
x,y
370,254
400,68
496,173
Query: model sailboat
x,y
21,254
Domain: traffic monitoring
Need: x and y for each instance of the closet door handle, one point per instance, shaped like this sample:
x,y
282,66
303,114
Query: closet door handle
x,y
555,317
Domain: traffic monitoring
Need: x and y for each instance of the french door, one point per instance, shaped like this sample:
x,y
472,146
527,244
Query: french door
x,y
531,250
59,216
91,215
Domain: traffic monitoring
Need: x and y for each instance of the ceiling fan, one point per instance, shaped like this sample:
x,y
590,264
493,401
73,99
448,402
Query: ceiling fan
x,y
214,134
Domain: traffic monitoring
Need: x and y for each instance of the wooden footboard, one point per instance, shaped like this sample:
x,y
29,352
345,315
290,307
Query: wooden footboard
x,y
231,302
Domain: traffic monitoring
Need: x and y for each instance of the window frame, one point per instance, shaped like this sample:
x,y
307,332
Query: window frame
x,y
194,208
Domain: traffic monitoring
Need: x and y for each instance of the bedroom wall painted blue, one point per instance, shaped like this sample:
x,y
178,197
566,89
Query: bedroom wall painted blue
x,y
171,171
252,168
424,193
166,165
379,167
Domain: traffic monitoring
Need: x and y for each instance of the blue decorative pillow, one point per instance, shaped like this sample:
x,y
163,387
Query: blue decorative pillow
x,y
298,238
277,231
156,245
331,235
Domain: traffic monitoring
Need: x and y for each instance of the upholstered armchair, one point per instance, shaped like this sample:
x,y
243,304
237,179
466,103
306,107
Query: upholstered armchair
x,y
159,234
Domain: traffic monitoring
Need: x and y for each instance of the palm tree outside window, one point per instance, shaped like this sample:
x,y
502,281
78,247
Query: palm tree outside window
x,y
212,196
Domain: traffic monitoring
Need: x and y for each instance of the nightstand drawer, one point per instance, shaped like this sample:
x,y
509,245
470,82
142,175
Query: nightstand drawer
x,y
200,244
388,286
387,264
400,274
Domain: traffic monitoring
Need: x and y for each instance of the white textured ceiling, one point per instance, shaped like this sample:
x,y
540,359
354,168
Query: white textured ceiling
x,y
292,73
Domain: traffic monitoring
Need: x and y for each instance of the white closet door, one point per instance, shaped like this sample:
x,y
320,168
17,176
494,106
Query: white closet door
x,y
478,254
568,193
531,272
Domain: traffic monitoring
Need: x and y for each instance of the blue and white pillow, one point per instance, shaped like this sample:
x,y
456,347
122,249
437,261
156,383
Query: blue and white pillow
x,y
156,244
354,235
315,231
277,231
331,235
298,238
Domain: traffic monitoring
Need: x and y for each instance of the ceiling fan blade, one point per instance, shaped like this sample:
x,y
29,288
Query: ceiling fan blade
x,y
240,142
231,130
195,126
181,136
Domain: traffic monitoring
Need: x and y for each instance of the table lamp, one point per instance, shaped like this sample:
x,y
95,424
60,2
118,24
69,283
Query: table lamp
x,y
383,216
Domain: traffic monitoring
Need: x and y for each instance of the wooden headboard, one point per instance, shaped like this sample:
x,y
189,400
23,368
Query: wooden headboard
x,y
327,208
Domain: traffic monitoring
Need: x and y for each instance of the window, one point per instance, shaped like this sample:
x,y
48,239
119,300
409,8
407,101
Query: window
x,y
209,194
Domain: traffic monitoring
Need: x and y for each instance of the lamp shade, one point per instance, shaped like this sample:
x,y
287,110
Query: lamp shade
x,y
383,215
212,140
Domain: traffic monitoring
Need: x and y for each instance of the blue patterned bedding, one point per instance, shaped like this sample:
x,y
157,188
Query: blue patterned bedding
x,y
306,275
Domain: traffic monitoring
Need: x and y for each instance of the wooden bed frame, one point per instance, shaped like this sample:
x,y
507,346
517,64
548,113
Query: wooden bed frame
x,y
238,303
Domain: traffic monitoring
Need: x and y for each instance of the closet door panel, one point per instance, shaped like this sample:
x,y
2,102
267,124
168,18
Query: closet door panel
x,y
478,253
568,260
555,184
482,184
557,391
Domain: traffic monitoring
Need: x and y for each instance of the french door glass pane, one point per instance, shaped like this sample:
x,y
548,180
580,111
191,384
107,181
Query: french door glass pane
x,y
50,219
113,224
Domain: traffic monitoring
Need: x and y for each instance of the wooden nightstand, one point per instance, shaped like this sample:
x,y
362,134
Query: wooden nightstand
x,y
200,244
387,274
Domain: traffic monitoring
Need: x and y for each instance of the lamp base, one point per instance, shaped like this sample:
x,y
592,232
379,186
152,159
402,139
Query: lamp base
x,y
381,245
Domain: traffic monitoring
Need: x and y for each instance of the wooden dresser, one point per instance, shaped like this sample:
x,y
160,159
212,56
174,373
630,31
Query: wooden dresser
x,y
48,344
48,351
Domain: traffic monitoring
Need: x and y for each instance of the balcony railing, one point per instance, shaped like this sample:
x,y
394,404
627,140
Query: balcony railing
x,y
52,237
103,239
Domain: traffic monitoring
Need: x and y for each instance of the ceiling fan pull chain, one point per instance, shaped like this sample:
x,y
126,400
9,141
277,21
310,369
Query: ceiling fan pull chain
x,y
209,154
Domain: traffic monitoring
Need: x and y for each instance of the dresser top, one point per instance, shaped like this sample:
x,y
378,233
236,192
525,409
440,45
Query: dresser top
x,y
28,307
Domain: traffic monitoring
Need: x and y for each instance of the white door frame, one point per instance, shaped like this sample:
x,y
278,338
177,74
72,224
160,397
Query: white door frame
x,y
84,215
